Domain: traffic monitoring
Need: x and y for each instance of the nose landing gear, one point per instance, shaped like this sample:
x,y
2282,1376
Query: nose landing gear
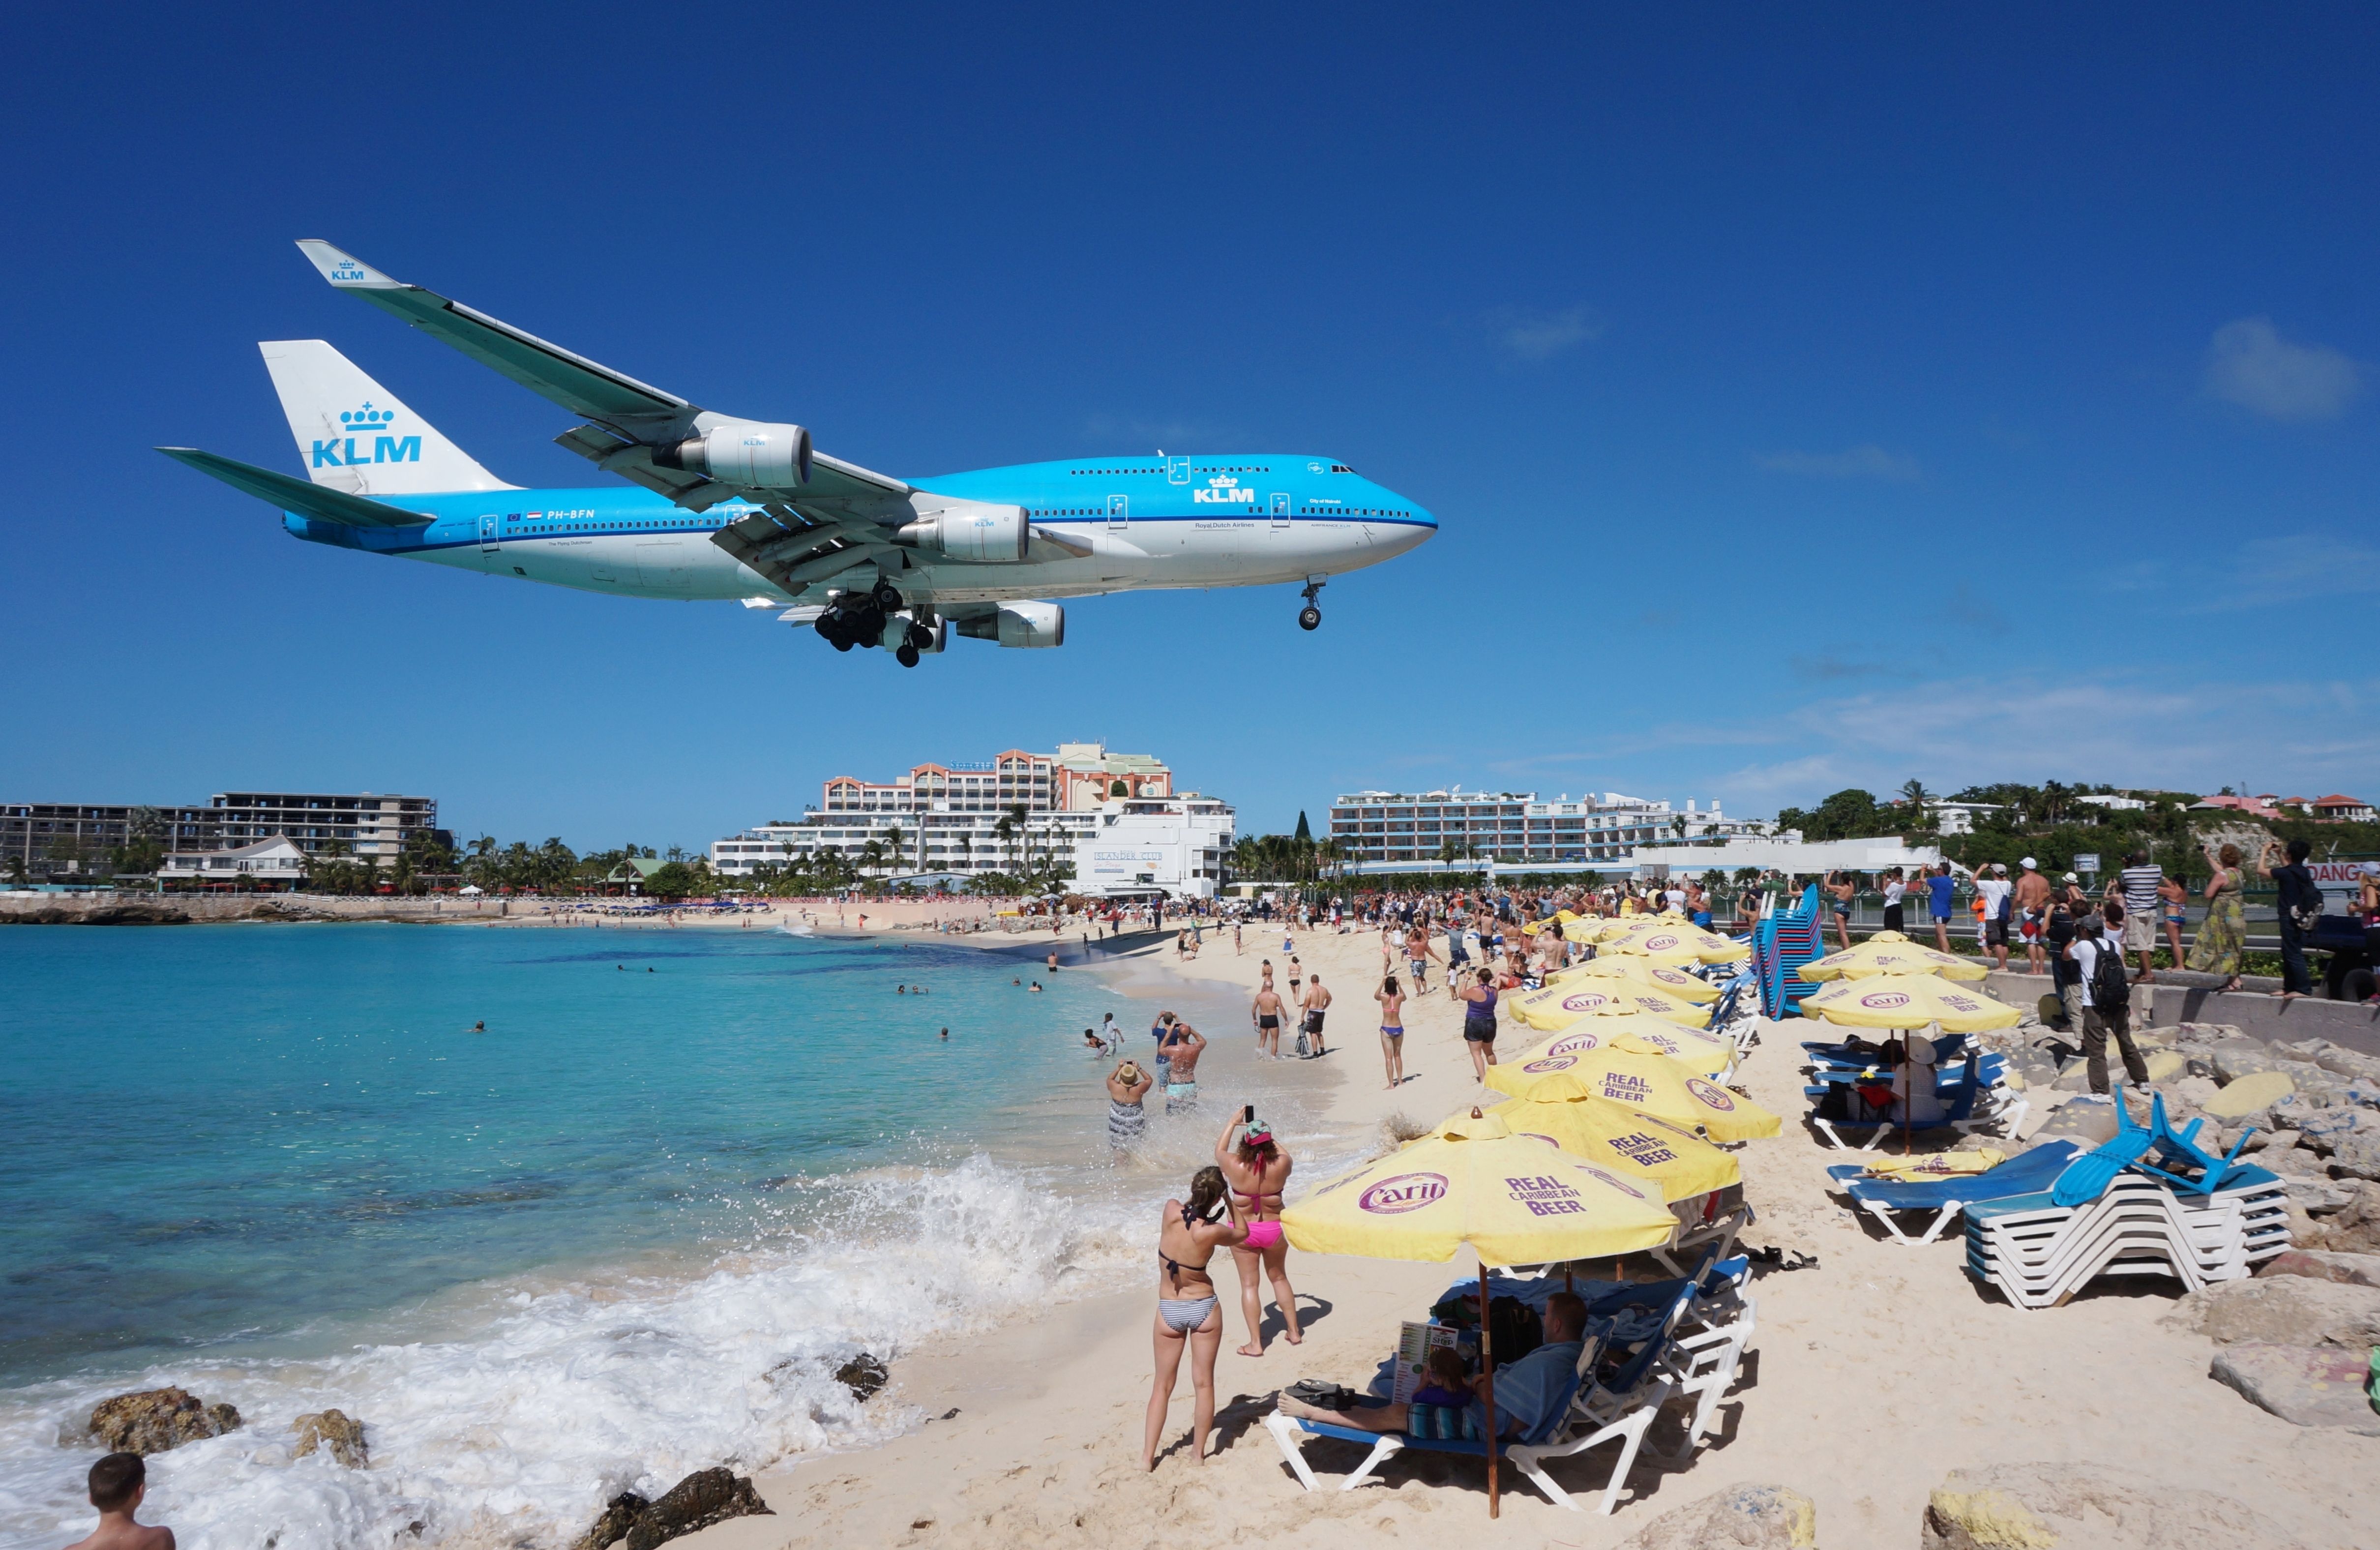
x,y
1310,617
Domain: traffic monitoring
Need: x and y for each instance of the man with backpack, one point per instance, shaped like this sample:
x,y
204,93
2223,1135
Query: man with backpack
x,y
2097,951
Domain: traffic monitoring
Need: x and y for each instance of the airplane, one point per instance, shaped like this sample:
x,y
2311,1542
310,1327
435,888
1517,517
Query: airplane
x,y
749,510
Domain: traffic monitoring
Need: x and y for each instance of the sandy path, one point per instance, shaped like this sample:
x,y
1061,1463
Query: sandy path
x,y
1874,1375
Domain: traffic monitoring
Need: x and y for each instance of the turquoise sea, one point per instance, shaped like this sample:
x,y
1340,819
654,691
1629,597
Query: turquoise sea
x,y
627,1231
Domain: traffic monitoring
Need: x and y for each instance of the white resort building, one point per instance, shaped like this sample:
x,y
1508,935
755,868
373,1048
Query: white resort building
x,y
1017,809
1383,829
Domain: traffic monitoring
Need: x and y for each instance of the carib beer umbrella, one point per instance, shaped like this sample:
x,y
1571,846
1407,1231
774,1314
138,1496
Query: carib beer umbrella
x,y
1514,1199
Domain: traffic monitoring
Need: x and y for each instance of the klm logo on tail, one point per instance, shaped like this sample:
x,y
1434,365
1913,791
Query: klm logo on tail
x,y
341,451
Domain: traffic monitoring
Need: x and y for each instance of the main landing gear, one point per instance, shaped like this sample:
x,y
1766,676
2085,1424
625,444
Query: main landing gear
x,y
863,619
1310,617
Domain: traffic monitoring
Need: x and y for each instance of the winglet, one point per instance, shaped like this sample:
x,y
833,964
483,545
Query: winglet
x,y
347,272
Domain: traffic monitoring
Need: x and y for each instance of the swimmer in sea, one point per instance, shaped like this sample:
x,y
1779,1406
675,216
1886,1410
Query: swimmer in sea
x,y
1035,987
946,1032
478,1027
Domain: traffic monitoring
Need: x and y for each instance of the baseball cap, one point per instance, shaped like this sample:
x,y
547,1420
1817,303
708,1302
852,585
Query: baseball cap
x,y
2000,868
2030,862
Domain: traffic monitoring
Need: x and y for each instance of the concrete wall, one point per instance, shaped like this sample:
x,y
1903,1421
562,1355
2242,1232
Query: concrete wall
x,y
2253,1012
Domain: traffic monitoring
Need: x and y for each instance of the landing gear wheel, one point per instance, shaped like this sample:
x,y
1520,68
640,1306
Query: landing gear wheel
x,y
842,643
905,654
867,629
1309,618
920,638
888,598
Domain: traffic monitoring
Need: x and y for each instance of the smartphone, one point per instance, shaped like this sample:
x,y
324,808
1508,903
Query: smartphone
x,y
1249,1115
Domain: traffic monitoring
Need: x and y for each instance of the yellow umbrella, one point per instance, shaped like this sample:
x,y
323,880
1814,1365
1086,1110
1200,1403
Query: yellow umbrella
x,y
1633,1145
1557,1006
1890,952
1908,1001
1667,942
1645,1082
1642,970
1515,1199
1700,1051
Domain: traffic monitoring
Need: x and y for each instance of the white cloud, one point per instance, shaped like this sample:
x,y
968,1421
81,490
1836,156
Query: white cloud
x,y
1541,335
2249,363
1866,461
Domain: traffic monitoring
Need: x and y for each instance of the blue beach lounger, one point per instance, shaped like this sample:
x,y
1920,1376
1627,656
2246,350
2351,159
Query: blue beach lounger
x,y
1885,1198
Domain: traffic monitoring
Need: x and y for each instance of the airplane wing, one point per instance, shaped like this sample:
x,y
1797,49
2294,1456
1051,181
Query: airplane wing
x,y
632,419
317,501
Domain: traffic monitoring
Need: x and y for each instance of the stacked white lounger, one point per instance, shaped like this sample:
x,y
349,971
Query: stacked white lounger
x,y
2145,1219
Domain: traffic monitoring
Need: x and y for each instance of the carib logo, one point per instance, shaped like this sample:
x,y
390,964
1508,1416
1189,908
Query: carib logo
x,y
341,451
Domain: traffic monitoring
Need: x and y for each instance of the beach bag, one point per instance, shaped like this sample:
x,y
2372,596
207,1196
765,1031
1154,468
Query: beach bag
x,y
2306,913
2110,991
1303,1050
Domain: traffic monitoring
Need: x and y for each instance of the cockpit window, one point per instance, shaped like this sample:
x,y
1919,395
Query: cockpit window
x,y
1341,468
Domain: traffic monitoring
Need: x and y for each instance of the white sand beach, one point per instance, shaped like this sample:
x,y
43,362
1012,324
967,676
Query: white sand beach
x,y
1873,1375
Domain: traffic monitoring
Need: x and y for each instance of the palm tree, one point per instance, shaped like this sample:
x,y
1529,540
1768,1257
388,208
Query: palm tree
x,y
1015,817
894,842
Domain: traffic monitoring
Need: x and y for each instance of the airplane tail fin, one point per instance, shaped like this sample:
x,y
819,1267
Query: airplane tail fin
x,y
354,435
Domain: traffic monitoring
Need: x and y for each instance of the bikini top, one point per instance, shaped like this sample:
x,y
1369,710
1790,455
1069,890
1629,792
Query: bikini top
x,y
1255,1202
1175,1268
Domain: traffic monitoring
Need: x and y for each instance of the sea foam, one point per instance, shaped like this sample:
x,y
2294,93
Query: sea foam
x,y
520,1406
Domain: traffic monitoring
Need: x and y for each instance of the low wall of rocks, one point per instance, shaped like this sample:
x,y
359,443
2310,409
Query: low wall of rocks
x,y
188,909
2160,1005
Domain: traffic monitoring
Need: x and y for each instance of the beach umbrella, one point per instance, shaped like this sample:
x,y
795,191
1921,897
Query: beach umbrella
x,y
1646,1082
1557,1006
1890,952
1672,1159
1514,1199
1667,942
1697,1049
1642,970
1908,1001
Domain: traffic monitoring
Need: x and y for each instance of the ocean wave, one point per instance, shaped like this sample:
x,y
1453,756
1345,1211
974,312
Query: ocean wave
x,y
517,1407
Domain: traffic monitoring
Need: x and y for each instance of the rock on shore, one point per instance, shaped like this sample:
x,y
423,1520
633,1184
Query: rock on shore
x,y
331,1432
702,1499
2036,1506
1747,1517
157,1419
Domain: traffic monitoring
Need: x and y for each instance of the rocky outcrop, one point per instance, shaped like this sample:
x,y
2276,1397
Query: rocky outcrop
x,y
157,1419
2324,1265
333,1432
2305,1386
1747,1517
2071,1506
2282,1309
863,1374
702,1499
619,1515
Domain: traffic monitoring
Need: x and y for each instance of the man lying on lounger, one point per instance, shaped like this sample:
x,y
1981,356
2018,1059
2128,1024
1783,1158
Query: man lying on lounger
x,y
1525,1390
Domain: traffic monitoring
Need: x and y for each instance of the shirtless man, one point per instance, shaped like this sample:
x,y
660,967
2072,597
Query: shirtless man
x,y
1267,1013
117,1483
1418,952
2032,914
1317,1001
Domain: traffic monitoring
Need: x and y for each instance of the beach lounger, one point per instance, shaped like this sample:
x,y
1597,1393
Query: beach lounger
x,y
2038,1253
1622,1408
1885,1199
1979,1096
1288,1432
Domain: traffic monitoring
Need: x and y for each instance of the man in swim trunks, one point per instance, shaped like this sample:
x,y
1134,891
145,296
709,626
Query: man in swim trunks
x,y
1165,1025
1266,1012
1317,1001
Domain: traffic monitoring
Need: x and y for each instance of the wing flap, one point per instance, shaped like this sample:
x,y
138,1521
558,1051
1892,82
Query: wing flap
x,y
319,502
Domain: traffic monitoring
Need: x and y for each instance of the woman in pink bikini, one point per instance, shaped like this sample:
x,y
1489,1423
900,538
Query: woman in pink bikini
x,y
1258,1167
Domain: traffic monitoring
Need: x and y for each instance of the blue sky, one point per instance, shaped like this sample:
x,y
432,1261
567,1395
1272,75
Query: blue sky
x,y
1808,398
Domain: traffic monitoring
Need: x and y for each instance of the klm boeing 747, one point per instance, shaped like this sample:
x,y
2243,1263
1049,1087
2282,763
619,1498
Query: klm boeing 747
x,y
746,510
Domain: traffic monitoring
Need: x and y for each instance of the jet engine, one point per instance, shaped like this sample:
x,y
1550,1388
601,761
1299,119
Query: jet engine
x,y
1020,625
745,452
981,533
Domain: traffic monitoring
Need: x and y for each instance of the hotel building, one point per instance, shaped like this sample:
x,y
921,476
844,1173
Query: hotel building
x,y
945,821
63,839
1386,828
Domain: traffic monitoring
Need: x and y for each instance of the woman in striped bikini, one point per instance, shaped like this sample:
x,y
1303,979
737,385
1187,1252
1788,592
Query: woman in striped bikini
x,y
1188,1233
